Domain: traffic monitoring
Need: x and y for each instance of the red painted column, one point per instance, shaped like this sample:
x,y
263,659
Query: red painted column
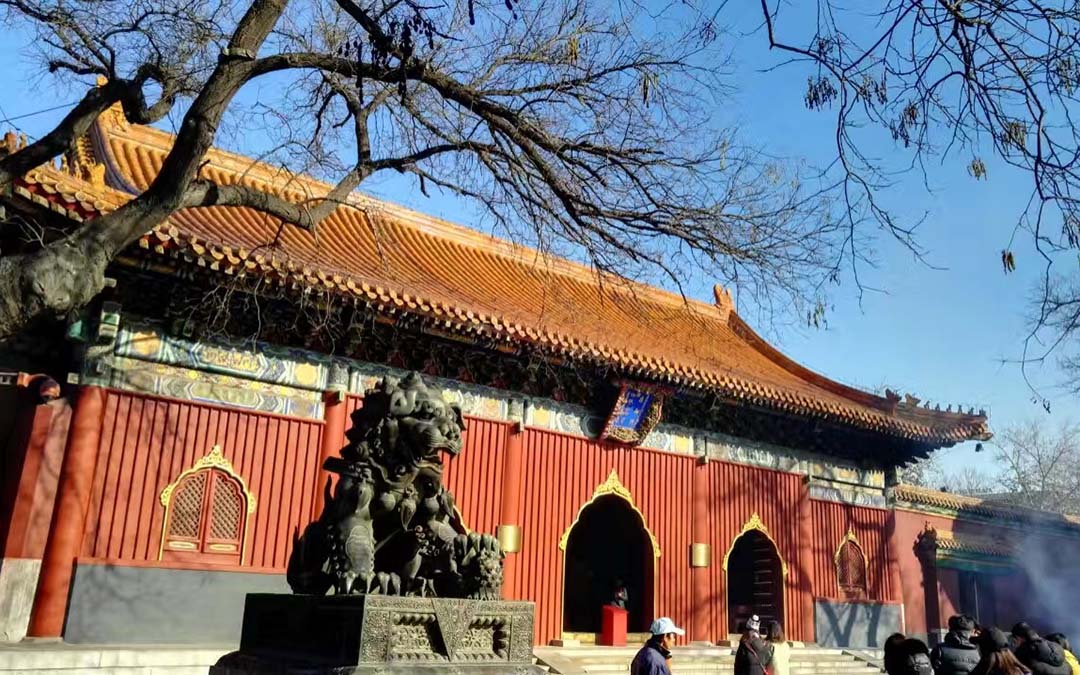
x,y
804,604
893,552
335,416
699,575
69,516
509,531
23,532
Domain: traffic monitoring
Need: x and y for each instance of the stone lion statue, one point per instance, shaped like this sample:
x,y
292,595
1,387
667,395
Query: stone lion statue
x,y
389,526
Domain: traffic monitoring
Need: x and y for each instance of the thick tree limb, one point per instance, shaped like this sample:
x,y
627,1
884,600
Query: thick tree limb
x,y
564,125
75,124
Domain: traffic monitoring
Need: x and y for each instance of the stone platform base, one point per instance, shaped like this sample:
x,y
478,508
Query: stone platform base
x,y
362,635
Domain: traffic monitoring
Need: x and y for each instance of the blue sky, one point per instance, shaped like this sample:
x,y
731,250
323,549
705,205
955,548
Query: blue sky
x,y
940,334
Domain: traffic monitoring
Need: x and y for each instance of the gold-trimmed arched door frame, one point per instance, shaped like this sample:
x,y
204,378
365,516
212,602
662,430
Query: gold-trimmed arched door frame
x,y
214,460
755,524
611,487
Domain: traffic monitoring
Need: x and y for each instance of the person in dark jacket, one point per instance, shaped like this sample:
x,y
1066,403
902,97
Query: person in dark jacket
x,y
894,654
996,657
619,595
754,654
654,656
916,658
1070,657
1041,656
957,654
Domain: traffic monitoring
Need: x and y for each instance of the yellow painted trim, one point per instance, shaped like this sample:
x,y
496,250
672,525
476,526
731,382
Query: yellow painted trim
x,y
213,460
612,486
755,524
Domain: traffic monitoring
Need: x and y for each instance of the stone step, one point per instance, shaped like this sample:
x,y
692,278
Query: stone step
x,y
56,658
130,659
818,667
702,670
117,670
697,660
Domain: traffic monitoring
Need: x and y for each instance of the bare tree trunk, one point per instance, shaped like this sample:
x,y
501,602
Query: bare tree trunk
x,y
67,274
52,281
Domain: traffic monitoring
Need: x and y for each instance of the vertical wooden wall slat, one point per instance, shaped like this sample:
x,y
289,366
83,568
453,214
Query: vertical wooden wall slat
x,y
562,474
475,475
737,492
831,523
147,441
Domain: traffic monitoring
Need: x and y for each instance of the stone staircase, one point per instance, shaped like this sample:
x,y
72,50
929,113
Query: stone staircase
x,y
57,658
697,660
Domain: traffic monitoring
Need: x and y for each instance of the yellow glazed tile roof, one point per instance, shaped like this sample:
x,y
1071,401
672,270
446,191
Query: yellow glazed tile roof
x,y
961,503
402,261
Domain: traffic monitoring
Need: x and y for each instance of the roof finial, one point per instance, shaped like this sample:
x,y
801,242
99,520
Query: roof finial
x,y
722,300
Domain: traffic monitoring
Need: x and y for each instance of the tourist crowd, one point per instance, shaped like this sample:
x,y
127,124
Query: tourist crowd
x,y
967,649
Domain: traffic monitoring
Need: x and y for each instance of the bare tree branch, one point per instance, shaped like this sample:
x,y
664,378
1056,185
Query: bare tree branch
x,y
571,127
977,83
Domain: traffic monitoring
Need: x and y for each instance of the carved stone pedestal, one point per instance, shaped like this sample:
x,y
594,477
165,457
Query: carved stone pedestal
x,y
364,635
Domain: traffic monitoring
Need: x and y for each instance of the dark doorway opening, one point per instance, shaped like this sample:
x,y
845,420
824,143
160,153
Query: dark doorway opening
x,y
608,543
755,582
977,598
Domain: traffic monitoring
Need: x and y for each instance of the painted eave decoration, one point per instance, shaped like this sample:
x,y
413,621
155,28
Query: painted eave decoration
x,y
637,410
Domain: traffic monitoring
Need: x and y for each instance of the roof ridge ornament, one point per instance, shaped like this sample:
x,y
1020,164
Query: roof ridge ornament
x,y
722,300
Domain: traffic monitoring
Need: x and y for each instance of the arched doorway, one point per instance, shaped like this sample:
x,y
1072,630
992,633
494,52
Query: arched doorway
x,y
608,542
755,580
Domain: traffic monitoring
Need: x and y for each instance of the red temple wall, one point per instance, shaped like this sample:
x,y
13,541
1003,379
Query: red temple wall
x,y
948,594
928,609
869,525
736,493
148,441
475,476
908,526
560,474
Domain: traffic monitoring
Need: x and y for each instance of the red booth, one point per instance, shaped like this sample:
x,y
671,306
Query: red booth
x,y
613,627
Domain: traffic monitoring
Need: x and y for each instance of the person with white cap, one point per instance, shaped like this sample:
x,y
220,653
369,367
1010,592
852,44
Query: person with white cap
x,y
754,654
654,656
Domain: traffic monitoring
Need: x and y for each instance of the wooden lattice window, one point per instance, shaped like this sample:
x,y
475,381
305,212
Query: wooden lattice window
x,y
851,568
206,513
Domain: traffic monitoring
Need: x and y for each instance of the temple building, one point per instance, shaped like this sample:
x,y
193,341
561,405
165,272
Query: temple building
x,y
164,448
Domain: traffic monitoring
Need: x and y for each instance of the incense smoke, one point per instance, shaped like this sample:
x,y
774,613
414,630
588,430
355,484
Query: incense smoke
x,y
1053,575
